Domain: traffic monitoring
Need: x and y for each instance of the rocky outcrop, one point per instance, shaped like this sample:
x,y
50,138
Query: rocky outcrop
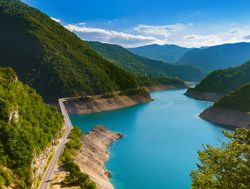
x,y
229,117
99,104
39,165
40,161
94,153
207,96
14,116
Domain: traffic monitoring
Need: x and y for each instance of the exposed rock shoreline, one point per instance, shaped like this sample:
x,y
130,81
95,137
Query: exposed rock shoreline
x,y
100,104
94,153
207,96
224,116
162,87
91,158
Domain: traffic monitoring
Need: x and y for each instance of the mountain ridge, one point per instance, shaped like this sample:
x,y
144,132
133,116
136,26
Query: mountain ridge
x,y
168,53
143,66
52,59
217,57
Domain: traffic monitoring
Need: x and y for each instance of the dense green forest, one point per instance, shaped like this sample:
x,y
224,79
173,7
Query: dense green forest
x,y
27,126
225,80
166,53
225,167
148,81
144,66
237,99
75,177
217,57
51,59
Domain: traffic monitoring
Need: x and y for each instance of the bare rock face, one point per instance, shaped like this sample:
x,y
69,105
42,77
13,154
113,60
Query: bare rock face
x,y
14,116
208,96
94,153
230,117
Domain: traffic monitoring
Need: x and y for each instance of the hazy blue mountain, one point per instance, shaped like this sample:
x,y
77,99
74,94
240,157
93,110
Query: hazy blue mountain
x,y
216,57
143,66
166,53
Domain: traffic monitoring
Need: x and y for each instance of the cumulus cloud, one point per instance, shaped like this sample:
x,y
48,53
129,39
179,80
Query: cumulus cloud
x,y
110,36
184,34
161,31
200,40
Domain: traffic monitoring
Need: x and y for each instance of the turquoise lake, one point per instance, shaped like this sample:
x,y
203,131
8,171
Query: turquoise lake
x,y
160,143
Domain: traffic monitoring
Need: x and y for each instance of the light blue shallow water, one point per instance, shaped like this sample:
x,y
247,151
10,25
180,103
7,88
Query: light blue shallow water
x,y
160,143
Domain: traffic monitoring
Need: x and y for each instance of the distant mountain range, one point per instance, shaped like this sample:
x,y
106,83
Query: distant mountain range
x,y
216,57
143,66
52,59
209,58
166,53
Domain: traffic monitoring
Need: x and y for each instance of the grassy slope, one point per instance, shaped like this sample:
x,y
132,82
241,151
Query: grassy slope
x,y
35,128
237,99
226,80
141,66
51,59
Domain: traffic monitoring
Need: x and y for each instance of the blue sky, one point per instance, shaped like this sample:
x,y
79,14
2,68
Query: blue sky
x,y
131,23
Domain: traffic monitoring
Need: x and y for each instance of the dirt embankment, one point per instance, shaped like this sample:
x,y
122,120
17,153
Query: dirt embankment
x,y
94,153
229,117
207,96
162,87
91,158
100,104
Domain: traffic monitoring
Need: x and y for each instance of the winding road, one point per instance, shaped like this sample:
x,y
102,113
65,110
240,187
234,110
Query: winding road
x,y
45,182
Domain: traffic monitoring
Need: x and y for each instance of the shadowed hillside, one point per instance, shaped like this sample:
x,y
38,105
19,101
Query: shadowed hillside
x,y
143,66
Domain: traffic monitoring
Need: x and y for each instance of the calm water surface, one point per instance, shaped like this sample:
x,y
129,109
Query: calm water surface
x,y
160,143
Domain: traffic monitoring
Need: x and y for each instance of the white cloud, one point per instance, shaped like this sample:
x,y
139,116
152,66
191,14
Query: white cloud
x,y
160,31
246,37
56,19
110,36
184,34
195,40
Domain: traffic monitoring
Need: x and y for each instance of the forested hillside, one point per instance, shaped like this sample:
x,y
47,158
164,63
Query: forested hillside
x,y
52,59
143,66
237,99
225,80
27,126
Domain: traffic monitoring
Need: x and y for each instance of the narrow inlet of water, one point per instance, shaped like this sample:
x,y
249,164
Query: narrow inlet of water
x,y
160,143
